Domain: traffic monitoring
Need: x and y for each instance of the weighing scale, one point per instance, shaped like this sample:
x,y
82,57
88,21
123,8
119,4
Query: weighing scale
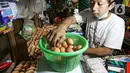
x,y
43,68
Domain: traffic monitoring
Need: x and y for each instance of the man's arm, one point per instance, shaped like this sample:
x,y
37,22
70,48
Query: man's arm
x,y
102,51
68,21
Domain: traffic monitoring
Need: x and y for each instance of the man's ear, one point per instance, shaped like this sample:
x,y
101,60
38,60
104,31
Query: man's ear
x,y
112,5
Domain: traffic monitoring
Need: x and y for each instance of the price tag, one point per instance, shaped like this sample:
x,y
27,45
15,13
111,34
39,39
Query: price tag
x,y
120,9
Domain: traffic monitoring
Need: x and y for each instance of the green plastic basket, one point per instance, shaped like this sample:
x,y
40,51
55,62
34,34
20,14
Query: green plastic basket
x,y
64,62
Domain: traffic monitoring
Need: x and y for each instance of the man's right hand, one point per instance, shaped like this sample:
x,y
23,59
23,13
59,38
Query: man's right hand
x,y
57,35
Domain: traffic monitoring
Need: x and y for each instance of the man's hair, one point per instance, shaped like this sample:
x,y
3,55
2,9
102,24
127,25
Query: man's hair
x,y
110,1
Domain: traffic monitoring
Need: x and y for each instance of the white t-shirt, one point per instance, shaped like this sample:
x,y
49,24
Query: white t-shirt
x,y
108,33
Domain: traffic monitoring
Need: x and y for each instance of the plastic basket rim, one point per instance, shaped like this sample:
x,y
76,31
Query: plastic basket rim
x,y
65,54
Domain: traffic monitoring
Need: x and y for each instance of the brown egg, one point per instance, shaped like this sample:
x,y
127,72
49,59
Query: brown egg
x,y
69,50
64,44
28,62
20,65
15,72
23,62
32,65
59,45
31,68
75,48
26,65
39,51
70,46
23,69
21,72
37,46
56,50
17,69
30,71
62,49
79,47
70,41
36,43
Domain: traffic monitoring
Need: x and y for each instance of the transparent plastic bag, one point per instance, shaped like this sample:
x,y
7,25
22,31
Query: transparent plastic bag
x,y
28,29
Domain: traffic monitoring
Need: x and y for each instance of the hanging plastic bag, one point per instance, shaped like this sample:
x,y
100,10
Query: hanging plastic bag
x,y
28,8
9,28
28,29
8,13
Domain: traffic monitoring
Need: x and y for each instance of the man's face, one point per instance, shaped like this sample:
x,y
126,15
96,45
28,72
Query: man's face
x,y
99,7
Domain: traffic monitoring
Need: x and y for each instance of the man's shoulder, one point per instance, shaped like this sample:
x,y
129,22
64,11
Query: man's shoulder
x,y
117,19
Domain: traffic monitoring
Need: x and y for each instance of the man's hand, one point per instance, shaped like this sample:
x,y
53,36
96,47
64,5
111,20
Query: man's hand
x,y
57,35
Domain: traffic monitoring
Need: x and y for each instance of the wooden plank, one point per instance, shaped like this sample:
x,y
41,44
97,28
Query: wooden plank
x,y
13,48
10,69
4,46
17,43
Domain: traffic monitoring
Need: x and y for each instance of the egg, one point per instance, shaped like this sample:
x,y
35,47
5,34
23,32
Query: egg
x,y
30,71
69,50
15,72
23,62
28,62
56,50
64,44
70,41
70,46
33,68
17,69
74,48
23,69
62,49
26,65
32,65
59,45
20,65
79,47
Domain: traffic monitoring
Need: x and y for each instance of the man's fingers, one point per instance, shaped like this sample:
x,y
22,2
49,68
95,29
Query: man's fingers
x,y
55,39
62,38
49,34
51,37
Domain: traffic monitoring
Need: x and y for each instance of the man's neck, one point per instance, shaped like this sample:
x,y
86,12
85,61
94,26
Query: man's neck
x,y
104,16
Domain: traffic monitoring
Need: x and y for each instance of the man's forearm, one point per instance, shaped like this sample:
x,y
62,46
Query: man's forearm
x,y
68,21
98,51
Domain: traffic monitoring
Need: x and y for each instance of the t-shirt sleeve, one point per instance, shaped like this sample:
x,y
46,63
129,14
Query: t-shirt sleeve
x,y
115,36
83,15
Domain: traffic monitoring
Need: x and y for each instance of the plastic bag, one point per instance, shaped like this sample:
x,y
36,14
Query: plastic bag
x,y
75,28
28,8
28,29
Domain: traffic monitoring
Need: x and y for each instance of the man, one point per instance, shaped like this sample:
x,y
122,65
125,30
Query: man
x,y
104,30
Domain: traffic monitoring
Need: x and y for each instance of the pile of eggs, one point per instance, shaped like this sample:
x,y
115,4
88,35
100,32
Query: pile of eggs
x,y
66,46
